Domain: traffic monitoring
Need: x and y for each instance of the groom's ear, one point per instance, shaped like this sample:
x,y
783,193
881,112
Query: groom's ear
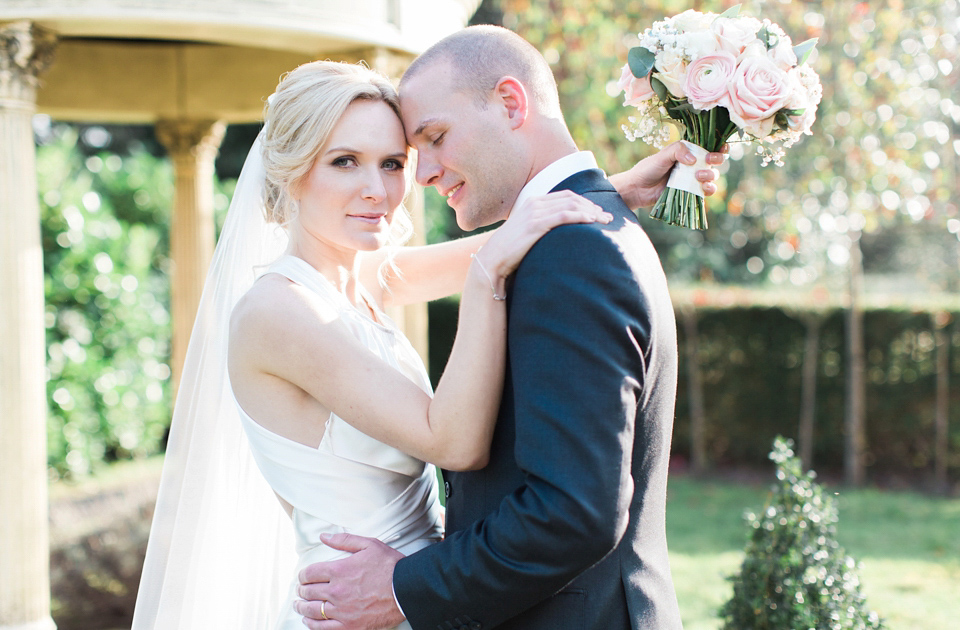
x,y
513,96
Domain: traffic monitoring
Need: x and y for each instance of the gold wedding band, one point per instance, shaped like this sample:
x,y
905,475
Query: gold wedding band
x,y
323,605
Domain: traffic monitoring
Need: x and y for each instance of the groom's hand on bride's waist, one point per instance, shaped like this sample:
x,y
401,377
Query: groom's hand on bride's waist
x,y
353,593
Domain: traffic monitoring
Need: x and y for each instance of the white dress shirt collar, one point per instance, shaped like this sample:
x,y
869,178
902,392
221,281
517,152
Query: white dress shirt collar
x,y
547,179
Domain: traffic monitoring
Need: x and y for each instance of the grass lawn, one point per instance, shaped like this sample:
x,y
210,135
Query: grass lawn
x,y
908,544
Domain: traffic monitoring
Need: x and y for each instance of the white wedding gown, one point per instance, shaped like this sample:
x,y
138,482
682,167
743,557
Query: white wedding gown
x,y
351,483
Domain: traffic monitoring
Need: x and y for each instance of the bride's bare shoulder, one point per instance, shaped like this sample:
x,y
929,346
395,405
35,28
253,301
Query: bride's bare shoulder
x,y
274,307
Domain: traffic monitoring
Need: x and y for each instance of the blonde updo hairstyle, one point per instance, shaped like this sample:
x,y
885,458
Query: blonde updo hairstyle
x,y
298,119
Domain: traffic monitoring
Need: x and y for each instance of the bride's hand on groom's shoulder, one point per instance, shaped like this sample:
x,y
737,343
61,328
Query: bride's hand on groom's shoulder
x,y
532,219
353,593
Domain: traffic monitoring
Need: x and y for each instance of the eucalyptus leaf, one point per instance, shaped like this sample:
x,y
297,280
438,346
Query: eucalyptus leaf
x,y
685,106
804,49
769,38
659,88
641,61
732,12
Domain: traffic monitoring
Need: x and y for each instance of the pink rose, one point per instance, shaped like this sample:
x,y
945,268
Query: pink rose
x,y
708,79
735,33
757,92
635,90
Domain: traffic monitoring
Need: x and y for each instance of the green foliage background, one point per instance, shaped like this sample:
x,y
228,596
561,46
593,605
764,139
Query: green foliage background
x,y
105,235
104,231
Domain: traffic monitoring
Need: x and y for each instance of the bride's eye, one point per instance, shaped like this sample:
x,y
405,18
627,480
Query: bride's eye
x,y
393,165
344,161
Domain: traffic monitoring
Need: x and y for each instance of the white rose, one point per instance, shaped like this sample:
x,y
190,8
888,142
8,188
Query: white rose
x,y
801,123
811,82
797,97
671,70
782,54
699,43
756,48
803,99
735,33
691,20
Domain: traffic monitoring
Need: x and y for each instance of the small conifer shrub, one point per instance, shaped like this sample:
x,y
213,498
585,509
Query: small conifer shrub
x,y
795,576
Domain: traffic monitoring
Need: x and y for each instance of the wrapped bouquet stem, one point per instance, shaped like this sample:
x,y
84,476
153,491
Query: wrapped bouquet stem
x,y
716,77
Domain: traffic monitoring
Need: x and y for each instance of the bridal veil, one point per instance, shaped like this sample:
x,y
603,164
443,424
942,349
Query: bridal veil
x,y
221,551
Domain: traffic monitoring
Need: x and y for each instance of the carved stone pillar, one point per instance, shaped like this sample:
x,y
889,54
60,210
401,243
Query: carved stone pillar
x,y
193,147
25,52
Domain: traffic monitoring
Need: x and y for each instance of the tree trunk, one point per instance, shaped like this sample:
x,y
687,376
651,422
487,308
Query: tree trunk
x,y
855,438
698,419
808,393
942,414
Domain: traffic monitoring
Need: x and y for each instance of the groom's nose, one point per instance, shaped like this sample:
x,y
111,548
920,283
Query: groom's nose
x,y
428,170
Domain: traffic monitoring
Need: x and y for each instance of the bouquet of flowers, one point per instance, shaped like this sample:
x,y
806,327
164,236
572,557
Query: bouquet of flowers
x,y
716,76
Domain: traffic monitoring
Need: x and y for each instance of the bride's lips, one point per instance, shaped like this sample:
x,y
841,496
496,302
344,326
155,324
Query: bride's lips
x,y
372,218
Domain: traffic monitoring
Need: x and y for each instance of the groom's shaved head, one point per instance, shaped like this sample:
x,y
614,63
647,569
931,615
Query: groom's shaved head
x,y
481,55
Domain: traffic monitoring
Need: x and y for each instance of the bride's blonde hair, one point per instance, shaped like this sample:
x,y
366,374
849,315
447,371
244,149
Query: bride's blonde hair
x,y
298,118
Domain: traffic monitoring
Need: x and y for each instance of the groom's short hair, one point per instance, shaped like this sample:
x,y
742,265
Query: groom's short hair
x,y
481,55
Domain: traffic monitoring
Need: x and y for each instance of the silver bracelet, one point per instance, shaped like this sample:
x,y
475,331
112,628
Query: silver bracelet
x,y
499,298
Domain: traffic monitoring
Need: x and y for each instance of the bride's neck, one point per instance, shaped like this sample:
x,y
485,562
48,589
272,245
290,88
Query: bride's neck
x,y
339,266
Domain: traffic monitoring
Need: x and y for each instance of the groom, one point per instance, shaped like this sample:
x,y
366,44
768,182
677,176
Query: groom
x,y
565,526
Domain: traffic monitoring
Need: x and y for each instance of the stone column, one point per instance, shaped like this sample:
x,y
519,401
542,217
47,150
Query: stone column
x,y
25,51
193,146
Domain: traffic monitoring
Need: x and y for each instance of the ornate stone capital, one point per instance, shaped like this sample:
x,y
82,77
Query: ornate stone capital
x,y
191,138
26,50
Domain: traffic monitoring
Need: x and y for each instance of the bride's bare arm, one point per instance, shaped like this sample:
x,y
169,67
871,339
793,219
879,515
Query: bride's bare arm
x,y
289,334
426,272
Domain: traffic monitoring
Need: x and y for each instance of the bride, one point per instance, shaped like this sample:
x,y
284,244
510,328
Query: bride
x,y
298,387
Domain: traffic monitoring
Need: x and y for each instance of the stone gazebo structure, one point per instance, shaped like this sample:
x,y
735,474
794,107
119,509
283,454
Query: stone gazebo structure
x,y
189,67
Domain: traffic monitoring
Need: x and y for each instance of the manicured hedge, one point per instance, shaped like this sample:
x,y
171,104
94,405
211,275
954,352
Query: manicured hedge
x,y
751,360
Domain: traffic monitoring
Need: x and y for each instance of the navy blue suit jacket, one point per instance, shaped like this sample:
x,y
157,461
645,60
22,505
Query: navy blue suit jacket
x,y
565,527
